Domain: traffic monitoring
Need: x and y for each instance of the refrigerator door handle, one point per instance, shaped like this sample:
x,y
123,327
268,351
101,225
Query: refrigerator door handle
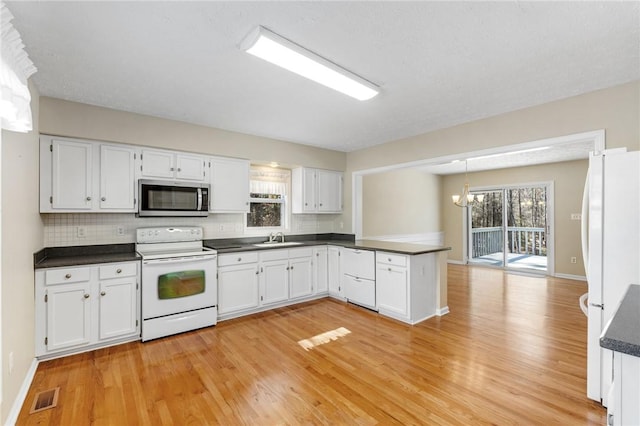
x,y
584,226
597,305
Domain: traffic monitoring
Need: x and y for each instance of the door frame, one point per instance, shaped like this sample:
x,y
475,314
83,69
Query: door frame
x,y
550,231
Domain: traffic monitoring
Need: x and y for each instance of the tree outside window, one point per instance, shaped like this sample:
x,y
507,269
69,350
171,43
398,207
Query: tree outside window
x,y
268,208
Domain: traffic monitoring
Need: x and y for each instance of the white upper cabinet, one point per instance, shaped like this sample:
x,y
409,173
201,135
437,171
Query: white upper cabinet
x,y
117,178
72,175
161,164
86,176
316,191
229,185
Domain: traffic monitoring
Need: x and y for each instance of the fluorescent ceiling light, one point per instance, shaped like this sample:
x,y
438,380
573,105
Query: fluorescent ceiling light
x,y
279,51
500,154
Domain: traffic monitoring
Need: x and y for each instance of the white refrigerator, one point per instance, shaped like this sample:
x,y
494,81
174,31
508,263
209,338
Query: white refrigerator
x,y
611,250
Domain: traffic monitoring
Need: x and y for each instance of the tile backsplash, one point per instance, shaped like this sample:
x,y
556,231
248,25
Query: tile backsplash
x,y
67,229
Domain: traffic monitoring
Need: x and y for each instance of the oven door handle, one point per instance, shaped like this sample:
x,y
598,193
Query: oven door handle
x,y
174,260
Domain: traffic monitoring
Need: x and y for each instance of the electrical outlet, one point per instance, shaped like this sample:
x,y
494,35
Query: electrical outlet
x,y
221,228
576,216
341,225
120,231
10,363
82,232
574,259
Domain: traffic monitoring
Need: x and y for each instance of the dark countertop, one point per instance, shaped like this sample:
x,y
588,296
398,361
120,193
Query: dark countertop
x,y
343,240
622,334
53,257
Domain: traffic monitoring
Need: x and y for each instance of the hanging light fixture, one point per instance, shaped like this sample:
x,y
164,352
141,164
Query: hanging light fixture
x,y
466,197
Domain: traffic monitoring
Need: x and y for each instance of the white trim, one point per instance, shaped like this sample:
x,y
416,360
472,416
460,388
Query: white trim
x,y
12,418
457,262
571,277
442,311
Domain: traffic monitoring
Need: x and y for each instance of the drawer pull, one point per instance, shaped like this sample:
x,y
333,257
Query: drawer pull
x,y
103,293
118,271
104,198
88,198
389,269
67,276
389,259
86,296
239,259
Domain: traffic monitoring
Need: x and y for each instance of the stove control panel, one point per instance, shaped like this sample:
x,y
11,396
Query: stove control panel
x,y
169,234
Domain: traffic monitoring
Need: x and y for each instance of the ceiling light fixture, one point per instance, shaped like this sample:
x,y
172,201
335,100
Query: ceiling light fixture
x,y
278,50
466,198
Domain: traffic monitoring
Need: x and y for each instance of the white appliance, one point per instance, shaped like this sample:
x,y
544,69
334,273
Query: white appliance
x,y
179,283
611,250
359,277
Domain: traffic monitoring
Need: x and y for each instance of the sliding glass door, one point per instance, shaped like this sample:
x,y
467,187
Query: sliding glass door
x,y
509,227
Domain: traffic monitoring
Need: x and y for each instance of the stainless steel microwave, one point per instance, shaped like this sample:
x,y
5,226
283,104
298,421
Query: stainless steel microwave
x,y
170,198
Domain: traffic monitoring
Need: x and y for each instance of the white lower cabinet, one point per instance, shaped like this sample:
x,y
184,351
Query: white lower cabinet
x,y
300,273
406,286
237,282
81,308
274,276
359,276
320,270
624,396
334,274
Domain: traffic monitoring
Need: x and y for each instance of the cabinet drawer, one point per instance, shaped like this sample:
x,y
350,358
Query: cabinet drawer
x,y
118,270
391,259
66,275
274,255
237,258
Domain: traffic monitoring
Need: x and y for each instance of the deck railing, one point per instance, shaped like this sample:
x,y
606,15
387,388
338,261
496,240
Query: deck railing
x,y
523,240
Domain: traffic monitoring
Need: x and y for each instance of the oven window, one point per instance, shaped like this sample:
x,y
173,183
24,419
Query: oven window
x,y
180,284
169,198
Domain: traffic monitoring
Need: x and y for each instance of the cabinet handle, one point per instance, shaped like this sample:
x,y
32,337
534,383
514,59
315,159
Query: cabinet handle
x,y
246,204
306,204
86,296
104,198
118,271
320,204
287,268
257,272
239,259
179,169
261,270
389,269
103,293
67,276
389,259
88,198
292,268
171,169
317,254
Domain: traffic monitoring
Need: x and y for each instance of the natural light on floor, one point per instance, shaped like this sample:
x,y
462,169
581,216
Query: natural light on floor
x,y
323,338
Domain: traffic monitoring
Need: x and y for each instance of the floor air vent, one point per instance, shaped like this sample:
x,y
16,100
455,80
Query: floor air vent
x,y
45,400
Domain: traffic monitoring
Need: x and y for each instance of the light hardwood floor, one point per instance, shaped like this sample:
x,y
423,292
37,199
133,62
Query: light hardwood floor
x,y
512,351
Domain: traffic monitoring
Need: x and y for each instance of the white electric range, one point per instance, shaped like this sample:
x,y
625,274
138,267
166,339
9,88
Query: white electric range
x,y
179,283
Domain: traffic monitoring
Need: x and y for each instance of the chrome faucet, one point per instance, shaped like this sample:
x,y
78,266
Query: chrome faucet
x,y
281,237
272,238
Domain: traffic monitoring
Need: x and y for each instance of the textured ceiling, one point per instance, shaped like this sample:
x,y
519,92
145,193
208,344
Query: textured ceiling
x,y
438,63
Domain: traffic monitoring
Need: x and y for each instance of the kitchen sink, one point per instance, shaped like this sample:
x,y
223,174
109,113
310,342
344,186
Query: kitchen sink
x,y
276,244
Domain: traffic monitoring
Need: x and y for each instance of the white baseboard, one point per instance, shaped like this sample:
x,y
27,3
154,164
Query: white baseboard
x,y
442,311
428,238
455,262
571,277
22,394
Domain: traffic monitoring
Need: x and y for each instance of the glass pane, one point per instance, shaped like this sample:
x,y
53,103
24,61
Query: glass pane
x,y
526,228
264,215
173,198
487,236
180,284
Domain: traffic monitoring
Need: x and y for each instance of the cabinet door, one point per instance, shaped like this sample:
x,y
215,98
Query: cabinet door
x,y
320,270
158,164
392,289
237,288
334,273
229,185
190,167
72,175
274,276
329,191
300,277
309,191
68,316
117,178
118,308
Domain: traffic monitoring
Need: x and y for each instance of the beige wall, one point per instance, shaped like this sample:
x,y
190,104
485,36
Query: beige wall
x,y
568,179
64,118
616,109
22,235
401,202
